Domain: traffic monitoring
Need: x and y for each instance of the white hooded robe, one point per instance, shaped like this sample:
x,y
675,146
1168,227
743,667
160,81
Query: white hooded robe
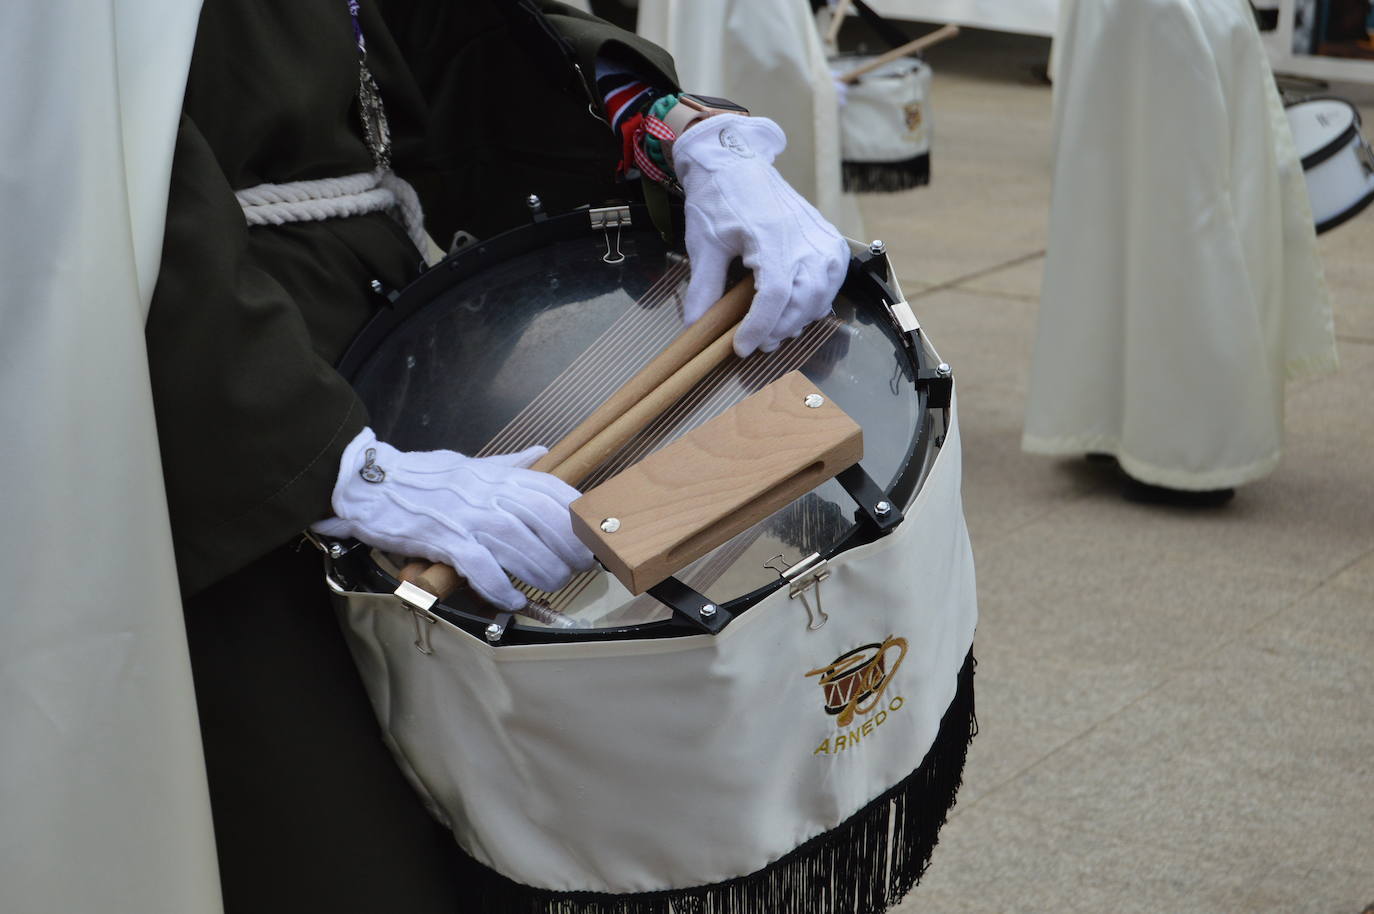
x,y
1182,285
103,802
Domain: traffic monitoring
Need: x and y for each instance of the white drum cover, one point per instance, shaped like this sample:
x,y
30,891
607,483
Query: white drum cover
x,y
638,766
1337,162
885,116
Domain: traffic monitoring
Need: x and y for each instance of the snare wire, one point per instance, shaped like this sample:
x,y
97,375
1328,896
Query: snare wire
x,y
553,411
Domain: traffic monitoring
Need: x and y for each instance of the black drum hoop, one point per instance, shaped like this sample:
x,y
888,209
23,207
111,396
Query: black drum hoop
x,y
867,283
1336,145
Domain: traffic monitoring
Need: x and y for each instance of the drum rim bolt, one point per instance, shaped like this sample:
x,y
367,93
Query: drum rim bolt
x,y
495,631
943,370
336,550
610,525
376,286
876,247
882,508
533,201
814,401
708,610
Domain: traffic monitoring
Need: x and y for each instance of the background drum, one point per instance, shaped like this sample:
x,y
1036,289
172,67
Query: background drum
x,y
1336,159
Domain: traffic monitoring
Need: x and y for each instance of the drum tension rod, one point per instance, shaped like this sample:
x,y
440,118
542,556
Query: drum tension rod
x,y
496,630
877,261
939,385
695,607
873,502
389,295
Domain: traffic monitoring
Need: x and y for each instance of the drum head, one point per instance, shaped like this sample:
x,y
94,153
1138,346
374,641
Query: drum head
x,y
512,344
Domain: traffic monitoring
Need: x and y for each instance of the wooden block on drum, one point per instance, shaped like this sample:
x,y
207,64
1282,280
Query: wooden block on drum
x,y
717,480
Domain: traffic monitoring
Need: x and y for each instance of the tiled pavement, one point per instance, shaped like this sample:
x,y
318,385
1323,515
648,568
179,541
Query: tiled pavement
x,y
1177,707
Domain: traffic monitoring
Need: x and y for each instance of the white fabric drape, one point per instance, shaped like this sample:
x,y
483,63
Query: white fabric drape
x,y
1182,284
630,766
766,55
103,802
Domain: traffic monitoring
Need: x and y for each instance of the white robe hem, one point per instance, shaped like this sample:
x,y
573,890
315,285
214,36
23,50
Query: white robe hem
x,y
1143,471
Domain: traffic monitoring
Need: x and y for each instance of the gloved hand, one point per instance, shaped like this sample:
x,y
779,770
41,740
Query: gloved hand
x,y
738,205
485,516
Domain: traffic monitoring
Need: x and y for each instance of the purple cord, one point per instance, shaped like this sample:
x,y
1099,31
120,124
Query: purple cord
x,y
357,29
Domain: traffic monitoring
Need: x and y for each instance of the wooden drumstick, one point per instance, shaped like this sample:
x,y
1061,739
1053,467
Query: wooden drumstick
x,y
578,465
836,20
911,47
686,360
724,314
439,579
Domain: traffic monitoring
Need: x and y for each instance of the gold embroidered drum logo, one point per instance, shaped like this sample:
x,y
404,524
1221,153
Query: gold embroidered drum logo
x,y
912,114
855,682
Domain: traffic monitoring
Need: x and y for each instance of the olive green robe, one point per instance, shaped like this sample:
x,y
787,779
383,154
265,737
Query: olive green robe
x,y
485,107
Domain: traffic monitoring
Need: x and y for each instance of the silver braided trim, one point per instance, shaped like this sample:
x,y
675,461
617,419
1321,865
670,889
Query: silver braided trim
x,y
337,198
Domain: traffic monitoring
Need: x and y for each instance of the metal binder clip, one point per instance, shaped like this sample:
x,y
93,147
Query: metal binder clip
x,y
801,577
418,601
606,218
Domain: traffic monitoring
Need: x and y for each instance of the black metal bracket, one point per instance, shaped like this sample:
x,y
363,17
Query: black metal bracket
x,y
875,263
693,606
869,496
875,508
939,385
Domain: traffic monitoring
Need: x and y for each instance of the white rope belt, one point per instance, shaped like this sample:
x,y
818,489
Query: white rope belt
x,y
335,198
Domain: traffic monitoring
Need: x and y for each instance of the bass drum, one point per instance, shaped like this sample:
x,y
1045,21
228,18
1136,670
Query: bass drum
x,y
513,342
1336,159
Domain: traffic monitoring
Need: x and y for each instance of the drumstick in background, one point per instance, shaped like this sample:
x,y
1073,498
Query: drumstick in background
x,y
836,20
911,47
668,376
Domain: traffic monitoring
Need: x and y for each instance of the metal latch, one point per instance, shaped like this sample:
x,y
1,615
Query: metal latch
x,y
903,316
606,218
419,601
801,577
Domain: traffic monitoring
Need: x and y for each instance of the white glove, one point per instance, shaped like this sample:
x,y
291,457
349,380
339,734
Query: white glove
x,y
738,205
485,516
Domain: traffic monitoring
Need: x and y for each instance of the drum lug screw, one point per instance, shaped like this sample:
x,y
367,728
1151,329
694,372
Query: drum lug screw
x,y
943,370
376,286
708,610
610,525
814,401
877,248
336,550
883,508
494,632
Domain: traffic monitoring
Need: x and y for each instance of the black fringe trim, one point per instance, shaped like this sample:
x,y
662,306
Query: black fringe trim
x,y
843,871
886,177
